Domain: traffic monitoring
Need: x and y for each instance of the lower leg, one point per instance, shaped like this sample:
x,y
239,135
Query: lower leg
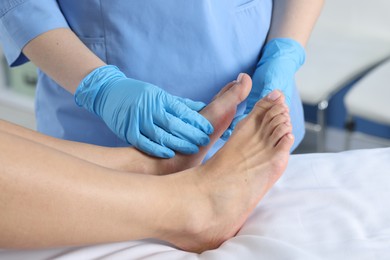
x,y
219,112
49,198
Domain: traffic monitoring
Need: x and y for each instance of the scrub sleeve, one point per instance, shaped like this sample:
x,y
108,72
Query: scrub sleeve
x,y
41,16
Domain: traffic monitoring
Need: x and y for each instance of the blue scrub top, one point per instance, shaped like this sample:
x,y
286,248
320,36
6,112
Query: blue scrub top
x,y
189,48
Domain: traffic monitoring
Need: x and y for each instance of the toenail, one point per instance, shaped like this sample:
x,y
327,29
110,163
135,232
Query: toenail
x,y
274,95
239,77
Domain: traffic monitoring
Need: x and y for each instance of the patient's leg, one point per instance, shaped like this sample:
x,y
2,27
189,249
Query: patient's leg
x,y
100,155
219,112
50,198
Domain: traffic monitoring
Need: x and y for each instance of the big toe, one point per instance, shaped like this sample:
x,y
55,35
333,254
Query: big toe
x,y
264,104
240,90
235,92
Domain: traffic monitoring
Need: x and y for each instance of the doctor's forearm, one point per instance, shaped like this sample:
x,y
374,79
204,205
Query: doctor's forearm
x,y
62,56
294,19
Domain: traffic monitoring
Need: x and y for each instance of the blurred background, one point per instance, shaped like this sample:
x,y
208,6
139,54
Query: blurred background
x,y
344,84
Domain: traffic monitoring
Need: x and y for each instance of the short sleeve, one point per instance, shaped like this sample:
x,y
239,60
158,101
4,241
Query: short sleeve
x,y
23,20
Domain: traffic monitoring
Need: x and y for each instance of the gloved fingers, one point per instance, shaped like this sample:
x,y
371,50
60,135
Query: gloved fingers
x,y
194,105
225,136
182,130
173,142
144,137
189,116
146,145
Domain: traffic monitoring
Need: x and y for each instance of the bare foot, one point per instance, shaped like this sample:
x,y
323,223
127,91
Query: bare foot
x,y
234,180
220,112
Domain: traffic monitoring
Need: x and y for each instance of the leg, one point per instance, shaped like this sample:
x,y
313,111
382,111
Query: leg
x,y
219,112
99,155
56,197
49,198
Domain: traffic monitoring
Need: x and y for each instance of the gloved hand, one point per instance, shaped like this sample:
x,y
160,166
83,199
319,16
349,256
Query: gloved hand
x,y
280,60
144,115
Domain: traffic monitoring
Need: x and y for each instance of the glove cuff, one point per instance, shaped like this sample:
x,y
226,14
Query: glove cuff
x,y
93,83
283,48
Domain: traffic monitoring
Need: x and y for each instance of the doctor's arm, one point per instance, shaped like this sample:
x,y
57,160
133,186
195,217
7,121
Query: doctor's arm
x,y
162,125
294,19
62,56
283,53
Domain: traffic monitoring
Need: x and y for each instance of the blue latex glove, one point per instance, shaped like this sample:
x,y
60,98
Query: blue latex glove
x,y
280,60
144,115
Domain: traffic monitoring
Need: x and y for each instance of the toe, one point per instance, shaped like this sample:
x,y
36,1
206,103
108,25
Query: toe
x,y
242,87
285,143
239,91
224,90
279,132
281,119
236,91
275,97
274,112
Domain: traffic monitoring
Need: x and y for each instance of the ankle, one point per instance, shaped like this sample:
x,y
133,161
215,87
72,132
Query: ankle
x,y
192,217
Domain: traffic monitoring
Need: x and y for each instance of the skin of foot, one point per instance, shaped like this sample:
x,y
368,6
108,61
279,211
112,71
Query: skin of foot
x,y
233,181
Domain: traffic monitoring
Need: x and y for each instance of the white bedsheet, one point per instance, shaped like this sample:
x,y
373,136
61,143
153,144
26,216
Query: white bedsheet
x,y
325,206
